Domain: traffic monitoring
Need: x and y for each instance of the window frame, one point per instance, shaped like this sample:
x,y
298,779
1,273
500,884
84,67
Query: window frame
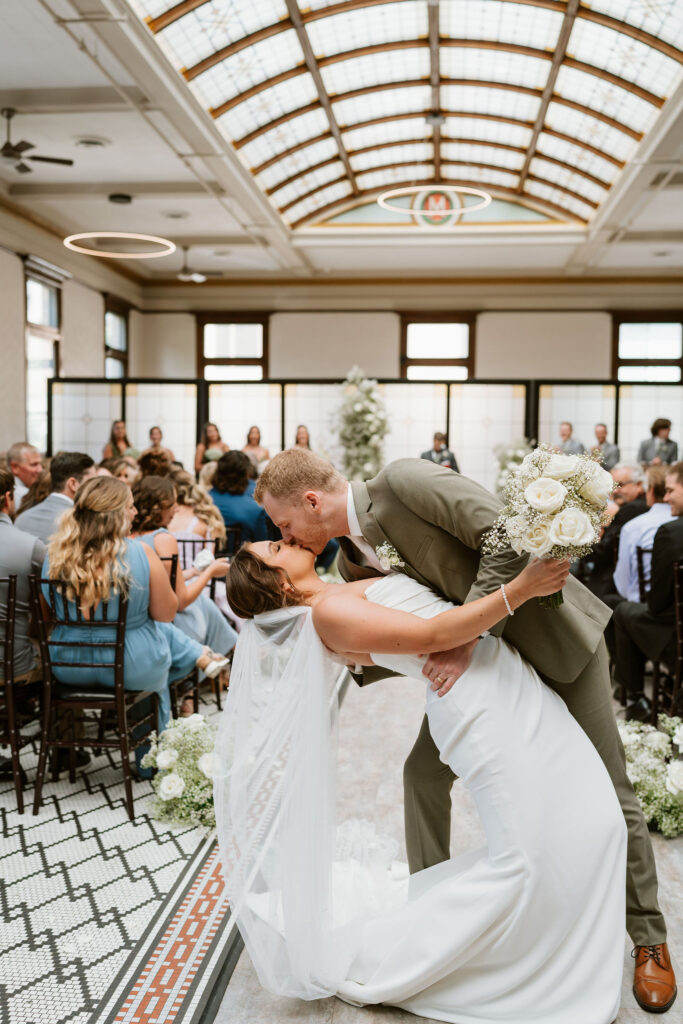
x,y
202,319
119,308
50,334
643,317
458,317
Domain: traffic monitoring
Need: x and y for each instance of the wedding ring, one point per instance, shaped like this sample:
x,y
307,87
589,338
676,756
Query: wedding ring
x,y
440,679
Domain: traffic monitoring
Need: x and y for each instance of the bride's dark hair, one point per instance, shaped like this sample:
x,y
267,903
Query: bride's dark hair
x,y
254,587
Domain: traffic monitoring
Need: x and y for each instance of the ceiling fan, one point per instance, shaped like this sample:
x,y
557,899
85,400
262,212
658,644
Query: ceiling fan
x,y
13,152
194,276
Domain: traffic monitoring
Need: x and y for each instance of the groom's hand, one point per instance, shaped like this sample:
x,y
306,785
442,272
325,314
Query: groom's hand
x,y
445,668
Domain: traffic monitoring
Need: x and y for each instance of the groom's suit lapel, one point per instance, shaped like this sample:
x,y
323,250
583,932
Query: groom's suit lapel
x,y
372,531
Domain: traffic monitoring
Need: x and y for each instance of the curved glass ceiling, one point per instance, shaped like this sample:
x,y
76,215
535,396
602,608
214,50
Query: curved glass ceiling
x,y
542,101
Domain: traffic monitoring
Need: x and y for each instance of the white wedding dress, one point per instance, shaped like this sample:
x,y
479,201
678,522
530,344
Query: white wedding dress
x,y
527,930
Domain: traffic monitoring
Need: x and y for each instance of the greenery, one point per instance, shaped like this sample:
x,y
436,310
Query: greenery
x,y
185,762
362,426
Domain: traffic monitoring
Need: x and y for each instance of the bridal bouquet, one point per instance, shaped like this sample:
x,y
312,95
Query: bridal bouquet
x,y
185,762
655,767
554,508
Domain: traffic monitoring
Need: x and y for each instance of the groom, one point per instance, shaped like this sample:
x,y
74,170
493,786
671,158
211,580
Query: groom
x,y
435,521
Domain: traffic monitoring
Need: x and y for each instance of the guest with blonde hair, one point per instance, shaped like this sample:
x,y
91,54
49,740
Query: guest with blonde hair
x,y
94,555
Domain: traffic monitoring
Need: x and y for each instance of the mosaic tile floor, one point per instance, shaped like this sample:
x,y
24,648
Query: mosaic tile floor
x,y
104,919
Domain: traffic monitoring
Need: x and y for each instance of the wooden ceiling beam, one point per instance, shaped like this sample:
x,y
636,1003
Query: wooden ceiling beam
x,y
314,71
548,92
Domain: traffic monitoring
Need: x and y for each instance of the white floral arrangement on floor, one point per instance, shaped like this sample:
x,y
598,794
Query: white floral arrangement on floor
x,y
510,457
363,426
185,762
554,507
655,767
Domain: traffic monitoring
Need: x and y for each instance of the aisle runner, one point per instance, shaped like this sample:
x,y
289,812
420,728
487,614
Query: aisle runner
x,y
104,919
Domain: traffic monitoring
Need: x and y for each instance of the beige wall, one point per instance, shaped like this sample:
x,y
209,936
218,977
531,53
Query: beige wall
x,y
12,347
329,344
162,345
82,347
544,344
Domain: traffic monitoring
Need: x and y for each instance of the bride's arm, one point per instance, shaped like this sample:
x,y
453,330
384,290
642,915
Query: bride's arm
x,y
346,619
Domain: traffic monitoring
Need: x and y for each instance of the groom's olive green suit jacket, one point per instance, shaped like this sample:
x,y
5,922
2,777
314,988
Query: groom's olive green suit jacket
x,y
436,519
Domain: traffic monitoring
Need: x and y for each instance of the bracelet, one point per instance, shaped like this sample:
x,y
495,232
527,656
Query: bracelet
x,y
507,603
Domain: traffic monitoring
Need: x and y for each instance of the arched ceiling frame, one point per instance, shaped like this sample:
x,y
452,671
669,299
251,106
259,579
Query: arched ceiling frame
x,y
556,56
498,191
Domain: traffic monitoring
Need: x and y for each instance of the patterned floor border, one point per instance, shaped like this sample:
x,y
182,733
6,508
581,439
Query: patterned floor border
x,y
181,966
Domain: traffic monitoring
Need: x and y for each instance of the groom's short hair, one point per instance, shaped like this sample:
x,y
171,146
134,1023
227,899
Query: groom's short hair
x,y
293,472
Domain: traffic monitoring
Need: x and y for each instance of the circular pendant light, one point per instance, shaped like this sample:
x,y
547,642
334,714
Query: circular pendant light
x,y
163,246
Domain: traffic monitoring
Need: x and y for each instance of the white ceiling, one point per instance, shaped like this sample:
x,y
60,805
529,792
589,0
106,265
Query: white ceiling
x,y
105,76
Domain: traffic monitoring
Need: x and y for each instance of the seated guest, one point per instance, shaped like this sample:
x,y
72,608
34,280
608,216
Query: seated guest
x,y
648,631
302,438
153,464
118,443
639,533
206,475
68,470
609,452
156,447
22,555
569,445
92,552
658,449
211,446
440,453
198,616
254,449
630,501
231,495
26,465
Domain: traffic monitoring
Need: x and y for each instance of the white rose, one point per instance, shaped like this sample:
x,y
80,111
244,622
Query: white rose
x,y
545,495
571,527
536,540
208,765
629,738
561,467
598,486
357,406
171,786
166,758
678,737
674,777
195,722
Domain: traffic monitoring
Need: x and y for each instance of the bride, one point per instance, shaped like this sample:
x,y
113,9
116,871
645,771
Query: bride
x,y
528,929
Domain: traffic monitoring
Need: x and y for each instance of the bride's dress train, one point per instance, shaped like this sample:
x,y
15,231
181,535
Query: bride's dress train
x,y
529,929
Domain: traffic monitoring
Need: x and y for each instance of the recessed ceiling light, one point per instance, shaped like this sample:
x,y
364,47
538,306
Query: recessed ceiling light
x,y
222,254
122,198
92,141
175,214
662,253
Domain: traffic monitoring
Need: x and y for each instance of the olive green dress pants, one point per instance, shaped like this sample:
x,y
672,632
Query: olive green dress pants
x,y
427,787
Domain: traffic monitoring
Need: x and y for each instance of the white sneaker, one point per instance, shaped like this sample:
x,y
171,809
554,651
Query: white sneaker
x,y
214,668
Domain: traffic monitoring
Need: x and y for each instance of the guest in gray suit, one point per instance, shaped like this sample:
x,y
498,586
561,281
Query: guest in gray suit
x,y
569,445
610,452
659,450
68,471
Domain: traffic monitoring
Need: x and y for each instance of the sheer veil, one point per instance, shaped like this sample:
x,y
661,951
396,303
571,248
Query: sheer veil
x,y
275,802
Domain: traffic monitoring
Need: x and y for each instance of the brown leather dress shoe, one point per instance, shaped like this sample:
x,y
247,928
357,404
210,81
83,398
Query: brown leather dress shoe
x,y
654,981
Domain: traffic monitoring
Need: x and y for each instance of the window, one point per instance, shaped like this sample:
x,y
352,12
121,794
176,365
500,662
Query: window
x,y
42,354
648,349
232,347
115,340
437,347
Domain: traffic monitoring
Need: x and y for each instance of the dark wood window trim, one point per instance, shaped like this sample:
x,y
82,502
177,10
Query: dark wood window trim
x,y
112,304
437,318
645,317
202,319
